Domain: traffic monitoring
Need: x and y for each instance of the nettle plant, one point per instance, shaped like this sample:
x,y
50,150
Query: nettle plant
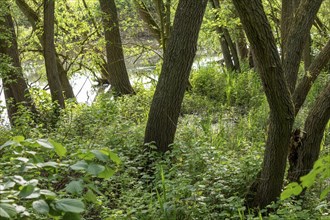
x,y
38,179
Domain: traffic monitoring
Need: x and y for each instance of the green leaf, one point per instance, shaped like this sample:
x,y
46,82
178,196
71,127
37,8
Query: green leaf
x,y
59,149
114,158
95,169
71,216
26,191
41,206
18,139
80,165
291,189
100,155
325,192
107,173
75,187
49,194
45,143
308,180
7,210
70,205
90,196
8,143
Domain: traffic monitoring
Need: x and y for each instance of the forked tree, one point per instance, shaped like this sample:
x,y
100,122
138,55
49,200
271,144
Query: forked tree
x,y
279,77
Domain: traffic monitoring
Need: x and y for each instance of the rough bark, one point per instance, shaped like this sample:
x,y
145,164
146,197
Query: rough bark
x,y
307,54
308,151
320,61
173,80
34,21
296,37
257,28
115,56
50,54
15,87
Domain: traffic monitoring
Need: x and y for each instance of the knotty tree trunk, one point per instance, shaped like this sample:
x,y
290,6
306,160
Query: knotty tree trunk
x,y
115,55
15,87
50,54
173,80
279,81
307,151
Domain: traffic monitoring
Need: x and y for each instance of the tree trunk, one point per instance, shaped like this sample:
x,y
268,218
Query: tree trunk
x,y
50,54
34,21
233,50
225,50
307,152
307,54
241,46
257,28
173,80
115,56
320,61
295,40
15,87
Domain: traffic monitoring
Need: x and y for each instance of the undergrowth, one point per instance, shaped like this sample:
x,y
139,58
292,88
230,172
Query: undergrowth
x,y
217,153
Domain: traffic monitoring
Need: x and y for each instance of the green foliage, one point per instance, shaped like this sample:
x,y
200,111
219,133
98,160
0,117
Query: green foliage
x,y
320,172
31,181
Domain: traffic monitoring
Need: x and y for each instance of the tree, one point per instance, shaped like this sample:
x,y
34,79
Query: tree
x,y
173,80
115,55
15,87
228,48
50,54
35,21
279,77
160,28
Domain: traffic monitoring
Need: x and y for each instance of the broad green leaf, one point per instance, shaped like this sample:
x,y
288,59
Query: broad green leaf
x,y
18,179
95,169
18,139
74,187
80,165
100,155
71,216
45,143
26,191
41,206
48,164
114,158
291,189
308,180
7,210
49,194
107,173
59,149
90,196
70,205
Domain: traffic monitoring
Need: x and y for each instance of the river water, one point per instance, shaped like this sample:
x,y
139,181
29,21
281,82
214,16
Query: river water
x,y
85,90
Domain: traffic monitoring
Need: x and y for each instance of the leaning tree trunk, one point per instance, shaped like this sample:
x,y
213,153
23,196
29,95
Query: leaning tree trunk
x,y
268,186
15,87
173,80
307,149
50,54
241,46
115,55
34,20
